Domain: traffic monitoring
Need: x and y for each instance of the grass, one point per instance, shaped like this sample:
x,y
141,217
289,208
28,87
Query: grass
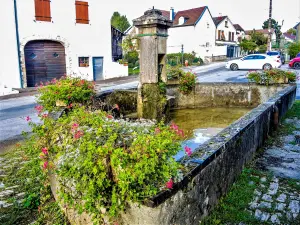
x,y
133,72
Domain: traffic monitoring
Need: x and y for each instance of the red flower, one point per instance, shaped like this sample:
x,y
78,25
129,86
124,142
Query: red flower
x,y
28,118
45,150
109,117
169,184
157,130
188,150
45,165
78,134
70,106
45,115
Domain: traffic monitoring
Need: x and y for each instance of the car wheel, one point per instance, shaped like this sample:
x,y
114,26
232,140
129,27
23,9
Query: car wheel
x,y
267,66
234,67
297,65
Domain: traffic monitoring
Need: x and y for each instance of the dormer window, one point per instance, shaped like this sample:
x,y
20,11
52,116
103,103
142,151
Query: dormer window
x,y
226,23
182,20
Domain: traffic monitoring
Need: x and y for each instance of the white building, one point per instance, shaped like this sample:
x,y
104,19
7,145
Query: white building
x,y
194,30
45,39
226,35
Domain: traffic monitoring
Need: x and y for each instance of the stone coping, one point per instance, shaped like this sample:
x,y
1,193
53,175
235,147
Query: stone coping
x,y
210,150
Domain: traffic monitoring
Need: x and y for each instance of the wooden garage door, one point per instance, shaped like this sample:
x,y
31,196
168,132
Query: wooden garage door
x,y
44,61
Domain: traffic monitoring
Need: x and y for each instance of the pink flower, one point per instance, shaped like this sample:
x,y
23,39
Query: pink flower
x,y
45,150
45,115
75,126
157,130
188,150
70,106
78,134
39,108
169,184
28,118
180,133
109,117
45,165
174,126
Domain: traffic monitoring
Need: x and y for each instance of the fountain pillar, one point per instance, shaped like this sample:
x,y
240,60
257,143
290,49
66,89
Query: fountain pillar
x,y
152,34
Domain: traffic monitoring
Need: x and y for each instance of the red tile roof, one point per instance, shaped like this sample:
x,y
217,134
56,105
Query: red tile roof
x,y
290,36
263,31
238,27
191,16
219,19
166,14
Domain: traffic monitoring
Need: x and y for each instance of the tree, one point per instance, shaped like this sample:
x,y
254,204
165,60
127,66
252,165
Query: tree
x,y
248,45
258,38
294,49
120,22
292,31
275,26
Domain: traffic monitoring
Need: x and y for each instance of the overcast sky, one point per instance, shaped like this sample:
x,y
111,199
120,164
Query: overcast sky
x,y
248,13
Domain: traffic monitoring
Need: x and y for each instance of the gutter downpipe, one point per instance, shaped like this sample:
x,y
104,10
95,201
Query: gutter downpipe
x,y
18,41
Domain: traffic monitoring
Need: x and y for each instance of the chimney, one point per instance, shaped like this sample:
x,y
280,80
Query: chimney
x,y
172,14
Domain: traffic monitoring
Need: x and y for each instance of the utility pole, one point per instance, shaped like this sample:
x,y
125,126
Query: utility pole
x,y
270,27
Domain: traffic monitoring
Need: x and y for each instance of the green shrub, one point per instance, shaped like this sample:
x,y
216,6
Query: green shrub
x,y
174,59
67,92
294,49
272,76
187,82
174,72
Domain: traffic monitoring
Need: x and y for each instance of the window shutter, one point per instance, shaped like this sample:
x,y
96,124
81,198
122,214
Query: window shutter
x,y
82,12
42,10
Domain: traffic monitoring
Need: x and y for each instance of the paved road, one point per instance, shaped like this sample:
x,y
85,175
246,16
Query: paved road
x,y
13,111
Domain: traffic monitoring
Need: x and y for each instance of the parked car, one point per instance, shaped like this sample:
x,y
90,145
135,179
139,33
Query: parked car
x,y
277,55
295,63
298,55
255,61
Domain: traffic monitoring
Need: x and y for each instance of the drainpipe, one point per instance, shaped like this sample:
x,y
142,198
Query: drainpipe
x,y
18,41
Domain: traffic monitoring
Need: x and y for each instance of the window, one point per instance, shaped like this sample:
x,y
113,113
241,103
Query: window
x,y
42,10
229,36
251,57
219,35
260,57
226,23
232,38
84,61
82,12
207,25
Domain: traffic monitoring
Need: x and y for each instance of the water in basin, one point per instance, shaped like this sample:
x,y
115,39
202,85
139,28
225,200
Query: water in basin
x,y
199,125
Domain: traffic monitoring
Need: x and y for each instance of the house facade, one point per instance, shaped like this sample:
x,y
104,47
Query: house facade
x,y
240,33
47,39
193,30
227,35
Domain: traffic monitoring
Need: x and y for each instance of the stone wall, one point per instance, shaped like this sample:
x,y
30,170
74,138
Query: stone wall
x,y
216,166
223,95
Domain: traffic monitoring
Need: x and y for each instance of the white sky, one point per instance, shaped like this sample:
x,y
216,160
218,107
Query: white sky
x,y
248,13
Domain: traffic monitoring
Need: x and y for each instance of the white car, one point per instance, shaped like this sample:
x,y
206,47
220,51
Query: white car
x,y
255,61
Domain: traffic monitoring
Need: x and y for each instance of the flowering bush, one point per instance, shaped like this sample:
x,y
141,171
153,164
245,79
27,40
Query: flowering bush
x,y
187,82
65,92
273,76
103,163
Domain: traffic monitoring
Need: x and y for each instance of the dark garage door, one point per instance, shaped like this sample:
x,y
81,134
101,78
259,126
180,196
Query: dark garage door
x,y
44,61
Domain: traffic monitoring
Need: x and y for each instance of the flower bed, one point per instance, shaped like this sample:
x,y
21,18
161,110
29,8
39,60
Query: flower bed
x,y
274,76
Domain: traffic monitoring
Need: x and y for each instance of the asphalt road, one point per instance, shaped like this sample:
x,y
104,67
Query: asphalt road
x,y
14,111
